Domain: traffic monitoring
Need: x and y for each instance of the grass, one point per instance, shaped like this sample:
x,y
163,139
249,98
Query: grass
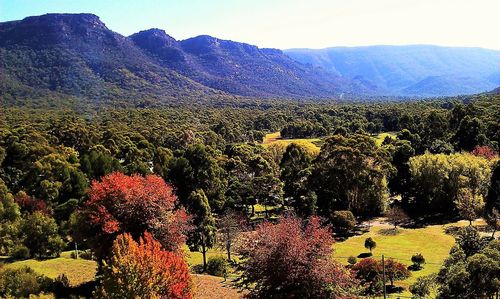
x,y
431,241
275,139
78,271
380,137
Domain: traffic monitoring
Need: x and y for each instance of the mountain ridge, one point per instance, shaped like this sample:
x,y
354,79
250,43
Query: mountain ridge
x,y
401,70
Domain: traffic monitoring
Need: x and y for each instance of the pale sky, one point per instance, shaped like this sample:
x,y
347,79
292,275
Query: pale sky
x,y
292,23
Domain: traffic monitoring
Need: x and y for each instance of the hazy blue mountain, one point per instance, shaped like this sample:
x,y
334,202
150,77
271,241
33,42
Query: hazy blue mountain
x,y
411,70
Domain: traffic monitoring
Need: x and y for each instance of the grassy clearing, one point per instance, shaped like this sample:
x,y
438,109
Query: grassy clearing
x,y
274,139
380,137
431,241
78,271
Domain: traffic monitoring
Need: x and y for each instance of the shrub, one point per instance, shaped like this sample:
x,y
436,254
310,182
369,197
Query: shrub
x,y
343,221
21,283
217,266
352,260
421,288
20,252
418,260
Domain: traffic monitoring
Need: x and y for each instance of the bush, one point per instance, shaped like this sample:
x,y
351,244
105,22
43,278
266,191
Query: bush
x,y
20,283
352,260
83,254
370,244
20,252
418,260
217,266
343,221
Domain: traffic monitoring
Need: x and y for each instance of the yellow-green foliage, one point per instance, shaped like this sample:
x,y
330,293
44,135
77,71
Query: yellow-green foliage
x,y
381,137
277,146
436,175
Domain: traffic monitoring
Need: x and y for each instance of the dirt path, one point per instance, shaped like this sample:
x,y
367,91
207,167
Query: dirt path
x,y
212,287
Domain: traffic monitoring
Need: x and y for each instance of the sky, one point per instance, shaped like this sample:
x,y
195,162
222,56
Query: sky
x,y
287,24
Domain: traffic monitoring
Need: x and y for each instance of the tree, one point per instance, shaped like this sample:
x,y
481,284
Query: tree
x,y
40,234
438,179
99,162
370,244
133,204
397,216
470,273
343,221
144,270
469,205
350,174
292,259
396,271
295,168
197,168
418,260
10,216
493,220
368,271
230,225
470,133
423,286
203,236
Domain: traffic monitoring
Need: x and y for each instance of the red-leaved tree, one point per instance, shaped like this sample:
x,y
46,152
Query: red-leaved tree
x,y
484,151
132,204
293,259
143,270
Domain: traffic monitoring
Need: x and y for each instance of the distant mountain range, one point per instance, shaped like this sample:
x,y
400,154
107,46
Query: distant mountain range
x,y
417,70
76,56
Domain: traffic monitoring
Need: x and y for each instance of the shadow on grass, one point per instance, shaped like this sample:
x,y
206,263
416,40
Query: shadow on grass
x,y
394,289
389,232
365,255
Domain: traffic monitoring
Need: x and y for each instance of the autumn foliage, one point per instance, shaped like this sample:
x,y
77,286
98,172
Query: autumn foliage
x,y
143,270
293,259
133,204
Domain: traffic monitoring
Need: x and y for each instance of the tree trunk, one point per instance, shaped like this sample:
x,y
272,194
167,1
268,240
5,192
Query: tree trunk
x,y
253,210
228,248
204,252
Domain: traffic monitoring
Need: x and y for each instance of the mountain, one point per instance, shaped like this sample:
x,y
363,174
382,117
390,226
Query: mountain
x,y
78,56
240,68
419,70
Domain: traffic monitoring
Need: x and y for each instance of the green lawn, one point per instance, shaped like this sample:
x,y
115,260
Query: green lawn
x,y
431,241
78,271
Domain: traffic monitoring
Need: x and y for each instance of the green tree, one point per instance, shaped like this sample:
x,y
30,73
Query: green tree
x,y
370,244
203,236
470,133
350,174
197,168
39,233
295,170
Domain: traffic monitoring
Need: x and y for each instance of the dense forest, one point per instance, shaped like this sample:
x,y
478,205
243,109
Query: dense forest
x,y
128,184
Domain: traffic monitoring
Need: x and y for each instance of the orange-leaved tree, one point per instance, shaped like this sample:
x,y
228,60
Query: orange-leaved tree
x,y
144,270
132,204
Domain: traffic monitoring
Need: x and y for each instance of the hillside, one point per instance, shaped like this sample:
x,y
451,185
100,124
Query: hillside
x,y
411,70
77,55
240,68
